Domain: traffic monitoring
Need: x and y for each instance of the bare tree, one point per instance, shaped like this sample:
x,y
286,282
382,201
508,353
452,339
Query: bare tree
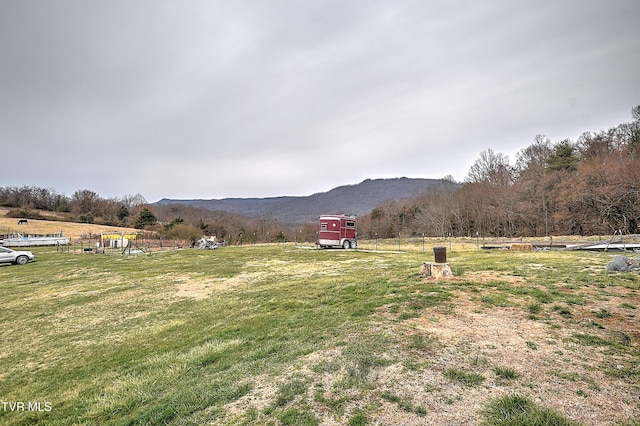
x,y
532,160
134,200
531,191
84,201
491,168
434,212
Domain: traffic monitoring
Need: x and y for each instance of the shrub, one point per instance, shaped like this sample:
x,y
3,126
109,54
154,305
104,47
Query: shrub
x,y
467,378
506,373
520,410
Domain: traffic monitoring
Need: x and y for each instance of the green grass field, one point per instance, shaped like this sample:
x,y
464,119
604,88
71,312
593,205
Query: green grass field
x,y
278,334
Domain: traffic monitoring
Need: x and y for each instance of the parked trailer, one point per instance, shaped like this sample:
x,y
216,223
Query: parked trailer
x,y
337,231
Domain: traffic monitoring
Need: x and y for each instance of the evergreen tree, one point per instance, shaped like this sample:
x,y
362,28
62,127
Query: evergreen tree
x,y
123,213
563,157
146,217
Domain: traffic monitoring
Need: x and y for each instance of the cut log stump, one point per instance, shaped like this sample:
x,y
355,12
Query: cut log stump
x,y
436,270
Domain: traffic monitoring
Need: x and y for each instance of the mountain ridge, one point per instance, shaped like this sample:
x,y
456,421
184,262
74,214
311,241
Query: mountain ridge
x,y
357,199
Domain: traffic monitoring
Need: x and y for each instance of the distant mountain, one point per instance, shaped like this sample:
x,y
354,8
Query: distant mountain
x,y
357,200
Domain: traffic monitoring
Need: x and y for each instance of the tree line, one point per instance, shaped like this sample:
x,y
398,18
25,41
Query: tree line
x,y
590,186
83,206
177,222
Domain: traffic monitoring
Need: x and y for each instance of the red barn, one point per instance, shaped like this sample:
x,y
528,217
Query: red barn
x,y
337,231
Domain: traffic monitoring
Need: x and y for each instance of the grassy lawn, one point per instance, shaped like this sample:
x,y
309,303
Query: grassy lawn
x,y
277,334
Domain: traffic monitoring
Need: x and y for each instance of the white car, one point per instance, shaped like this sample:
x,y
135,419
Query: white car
x,y
16,257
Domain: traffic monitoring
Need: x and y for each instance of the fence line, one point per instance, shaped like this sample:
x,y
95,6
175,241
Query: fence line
x,y
146,245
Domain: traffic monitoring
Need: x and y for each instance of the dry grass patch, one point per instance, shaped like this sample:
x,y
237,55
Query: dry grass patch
x,y
275,335
197,287
69,229
551,367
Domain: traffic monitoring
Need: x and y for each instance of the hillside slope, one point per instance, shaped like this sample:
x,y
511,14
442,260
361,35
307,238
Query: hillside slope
x,y
356,199
45,227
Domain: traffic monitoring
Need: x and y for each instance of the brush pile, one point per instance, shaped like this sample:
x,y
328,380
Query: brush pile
x,y
209,243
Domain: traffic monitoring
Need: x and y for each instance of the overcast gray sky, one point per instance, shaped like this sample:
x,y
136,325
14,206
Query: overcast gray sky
x,y
214,99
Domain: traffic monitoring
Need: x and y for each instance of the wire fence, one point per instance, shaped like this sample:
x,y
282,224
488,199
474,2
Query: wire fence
x,y
142,245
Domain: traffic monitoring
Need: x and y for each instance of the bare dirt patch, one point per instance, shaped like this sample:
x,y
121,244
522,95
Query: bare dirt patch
x,y
549,364
480,277
201,287
552,369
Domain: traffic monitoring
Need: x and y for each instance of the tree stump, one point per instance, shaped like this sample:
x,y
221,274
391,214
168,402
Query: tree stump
x,y
436,270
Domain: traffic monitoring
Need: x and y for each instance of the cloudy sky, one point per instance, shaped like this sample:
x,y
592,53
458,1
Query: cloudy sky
x,y
214,99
